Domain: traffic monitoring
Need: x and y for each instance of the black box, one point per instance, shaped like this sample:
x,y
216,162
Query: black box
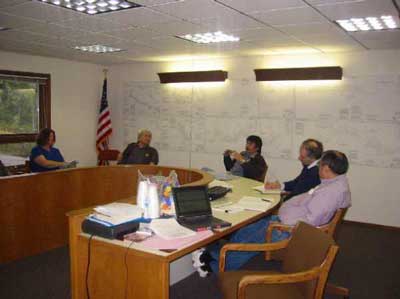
x,y
109,232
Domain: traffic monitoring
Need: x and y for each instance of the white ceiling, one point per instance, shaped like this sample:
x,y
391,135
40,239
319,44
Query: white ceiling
x,y
149,33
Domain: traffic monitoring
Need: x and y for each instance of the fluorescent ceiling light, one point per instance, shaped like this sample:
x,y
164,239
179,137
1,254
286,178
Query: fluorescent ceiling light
x,y
97,49
210,37
93,7
369,23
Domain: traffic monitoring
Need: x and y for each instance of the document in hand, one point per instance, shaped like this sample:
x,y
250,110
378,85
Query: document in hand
x,y
254,203
170,229
267,191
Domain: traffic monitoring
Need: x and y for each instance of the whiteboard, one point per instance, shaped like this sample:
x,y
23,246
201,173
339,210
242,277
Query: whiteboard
x,y
359,116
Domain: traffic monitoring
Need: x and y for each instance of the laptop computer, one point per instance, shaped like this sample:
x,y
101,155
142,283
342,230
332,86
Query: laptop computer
x,y
193,209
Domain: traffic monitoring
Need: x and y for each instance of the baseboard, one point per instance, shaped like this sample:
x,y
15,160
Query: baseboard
x,y
372,225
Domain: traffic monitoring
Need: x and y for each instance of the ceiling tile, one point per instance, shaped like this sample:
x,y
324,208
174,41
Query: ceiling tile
x,y
90,23
133,33
176,28
171,43
32,38
388,39
194,9
299,30
41,11
11,21
139,17
331,2
229,20
54,30
7,3
358,9
263,33
150,3
290,16
262,5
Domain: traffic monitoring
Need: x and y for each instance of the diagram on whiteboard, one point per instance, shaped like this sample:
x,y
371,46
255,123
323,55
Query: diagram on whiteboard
x,y
359,116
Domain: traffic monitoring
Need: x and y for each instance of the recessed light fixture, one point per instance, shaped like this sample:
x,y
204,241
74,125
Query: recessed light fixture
x,y
369,23
92,7
210,37
97,49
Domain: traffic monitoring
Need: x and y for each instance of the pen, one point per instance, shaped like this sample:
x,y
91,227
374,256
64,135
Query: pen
x,y
265,199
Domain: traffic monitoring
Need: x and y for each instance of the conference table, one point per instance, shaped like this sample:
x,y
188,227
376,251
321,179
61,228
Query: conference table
x,y
103,268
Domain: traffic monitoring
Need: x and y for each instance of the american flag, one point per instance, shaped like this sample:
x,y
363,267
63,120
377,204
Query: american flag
x,y
104,129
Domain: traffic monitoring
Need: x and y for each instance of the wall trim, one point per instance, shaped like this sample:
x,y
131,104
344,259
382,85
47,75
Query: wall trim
x,y
372,225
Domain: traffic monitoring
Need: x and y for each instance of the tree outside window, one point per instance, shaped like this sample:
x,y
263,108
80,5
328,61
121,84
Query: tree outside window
x,y
24,110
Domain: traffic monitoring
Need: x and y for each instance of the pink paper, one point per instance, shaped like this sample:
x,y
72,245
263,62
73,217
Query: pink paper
x,y
156,242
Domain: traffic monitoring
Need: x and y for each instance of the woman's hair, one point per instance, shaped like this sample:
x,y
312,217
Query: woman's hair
x,y
44,136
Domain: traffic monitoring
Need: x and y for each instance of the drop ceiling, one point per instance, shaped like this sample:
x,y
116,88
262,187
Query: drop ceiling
x,y
149,33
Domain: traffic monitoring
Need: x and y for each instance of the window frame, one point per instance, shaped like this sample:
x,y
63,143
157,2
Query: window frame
x,y
44,106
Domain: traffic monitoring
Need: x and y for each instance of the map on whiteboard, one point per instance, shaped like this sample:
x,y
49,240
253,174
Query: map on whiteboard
x,y
359,116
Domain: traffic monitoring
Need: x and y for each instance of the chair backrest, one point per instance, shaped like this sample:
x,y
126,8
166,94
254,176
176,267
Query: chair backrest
x,y
330,228
308,248
107,155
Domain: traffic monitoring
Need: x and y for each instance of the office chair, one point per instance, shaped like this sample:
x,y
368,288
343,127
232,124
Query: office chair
x,y
104,157
307,260
329,228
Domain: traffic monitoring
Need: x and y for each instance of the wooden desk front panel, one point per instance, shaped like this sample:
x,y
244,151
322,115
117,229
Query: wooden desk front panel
x,y
33,206
118,273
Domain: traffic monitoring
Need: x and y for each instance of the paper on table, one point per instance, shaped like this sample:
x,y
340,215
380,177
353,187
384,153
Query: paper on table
x,y
117,209
254,203
215,183
267,191
170,229
229,209
156,242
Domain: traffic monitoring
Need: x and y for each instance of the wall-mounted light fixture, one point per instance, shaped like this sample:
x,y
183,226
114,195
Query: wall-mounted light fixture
x,y
199,76
307,73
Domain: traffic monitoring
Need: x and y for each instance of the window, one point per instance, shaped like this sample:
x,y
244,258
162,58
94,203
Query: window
x,y
24,110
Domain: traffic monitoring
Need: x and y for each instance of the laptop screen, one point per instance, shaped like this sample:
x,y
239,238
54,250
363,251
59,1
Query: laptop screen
x,y
191,201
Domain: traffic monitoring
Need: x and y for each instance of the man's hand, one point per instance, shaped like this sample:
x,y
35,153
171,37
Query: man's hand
x,y
237,156
272,185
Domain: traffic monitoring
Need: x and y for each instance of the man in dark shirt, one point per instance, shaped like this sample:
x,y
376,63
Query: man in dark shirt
x,y
250,163
310,153
140,152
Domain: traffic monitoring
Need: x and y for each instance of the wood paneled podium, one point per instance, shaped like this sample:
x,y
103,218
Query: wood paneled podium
x,y
33,206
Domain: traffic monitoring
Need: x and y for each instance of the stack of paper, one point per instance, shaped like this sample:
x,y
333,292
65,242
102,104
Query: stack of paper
x,y
254,203
246,203
267,191
116,213
170,229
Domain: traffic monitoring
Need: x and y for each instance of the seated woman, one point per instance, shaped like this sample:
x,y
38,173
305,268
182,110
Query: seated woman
x,y
44,156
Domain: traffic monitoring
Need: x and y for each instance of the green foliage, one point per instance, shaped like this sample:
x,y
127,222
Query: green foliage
x,y
17,149
18,107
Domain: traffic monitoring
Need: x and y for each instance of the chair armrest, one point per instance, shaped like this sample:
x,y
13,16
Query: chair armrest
x,y
277,226
276,279
248,247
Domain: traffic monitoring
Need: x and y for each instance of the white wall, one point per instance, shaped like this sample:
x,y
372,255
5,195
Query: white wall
x,y
75,96
375,199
